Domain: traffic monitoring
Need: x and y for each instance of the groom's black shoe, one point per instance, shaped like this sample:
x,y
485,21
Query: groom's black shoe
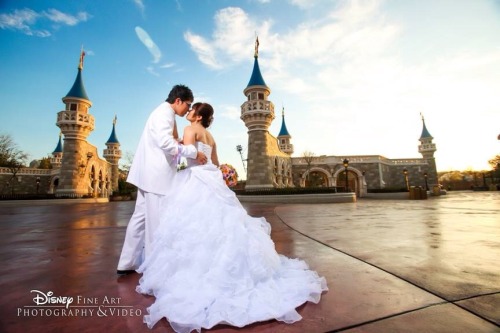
x,y
125,272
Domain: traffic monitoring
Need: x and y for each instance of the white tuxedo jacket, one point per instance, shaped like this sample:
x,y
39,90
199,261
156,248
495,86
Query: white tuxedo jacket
x,y
155,160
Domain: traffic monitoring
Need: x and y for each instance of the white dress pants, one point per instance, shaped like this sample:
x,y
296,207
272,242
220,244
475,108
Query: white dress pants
x,y
140,230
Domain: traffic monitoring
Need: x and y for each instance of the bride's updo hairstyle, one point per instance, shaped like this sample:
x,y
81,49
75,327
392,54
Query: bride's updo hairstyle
x,y
206,112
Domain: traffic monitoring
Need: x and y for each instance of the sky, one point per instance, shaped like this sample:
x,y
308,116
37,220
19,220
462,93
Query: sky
x,y
354,77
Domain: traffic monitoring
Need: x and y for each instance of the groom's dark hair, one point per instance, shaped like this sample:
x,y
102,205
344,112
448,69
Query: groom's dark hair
x,y
180,91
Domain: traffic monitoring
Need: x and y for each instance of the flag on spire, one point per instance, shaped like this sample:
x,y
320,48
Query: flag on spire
x,y
82,55
256,47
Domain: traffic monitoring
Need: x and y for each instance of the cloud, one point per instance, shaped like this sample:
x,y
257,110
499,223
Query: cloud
x,y
232,40
140,5
151,70
230,111
302,3
59,17
24,20
204,50
168,65
149,43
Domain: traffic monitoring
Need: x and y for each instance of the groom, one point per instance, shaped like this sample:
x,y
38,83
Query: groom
x,y
152,171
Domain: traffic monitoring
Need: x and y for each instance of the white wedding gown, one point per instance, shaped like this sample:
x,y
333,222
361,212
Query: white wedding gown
x,y
211,263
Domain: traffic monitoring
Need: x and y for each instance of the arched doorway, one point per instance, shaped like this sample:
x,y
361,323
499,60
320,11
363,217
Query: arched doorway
x,y
354,180
316,177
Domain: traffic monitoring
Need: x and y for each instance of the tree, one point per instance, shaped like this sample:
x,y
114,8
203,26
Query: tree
x,y
495,162
11,157
308,156
45,163
495,166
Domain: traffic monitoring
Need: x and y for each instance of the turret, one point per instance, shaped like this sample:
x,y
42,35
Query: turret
x,y
257,113
113,154
427,148
284,137
76,124
57,154
75,121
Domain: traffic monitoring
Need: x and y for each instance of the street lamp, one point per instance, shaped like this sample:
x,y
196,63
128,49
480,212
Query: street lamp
x,y
426,184
239,149
37,184
346,164
405,172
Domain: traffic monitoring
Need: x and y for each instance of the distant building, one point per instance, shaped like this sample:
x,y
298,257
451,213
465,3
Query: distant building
x,y
270,165
77,170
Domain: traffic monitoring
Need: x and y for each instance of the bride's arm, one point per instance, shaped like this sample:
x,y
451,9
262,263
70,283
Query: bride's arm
x,y
189,136
215,158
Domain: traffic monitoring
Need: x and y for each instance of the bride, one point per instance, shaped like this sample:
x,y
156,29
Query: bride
x,y
211,263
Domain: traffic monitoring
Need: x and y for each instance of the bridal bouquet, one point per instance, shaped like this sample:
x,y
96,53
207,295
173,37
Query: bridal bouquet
x,y
229,174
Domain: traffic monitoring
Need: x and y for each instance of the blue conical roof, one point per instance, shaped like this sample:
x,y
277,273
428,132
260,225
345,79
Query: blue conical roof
x,y
283,130
78,89
112,137
59,147
425,132
256,79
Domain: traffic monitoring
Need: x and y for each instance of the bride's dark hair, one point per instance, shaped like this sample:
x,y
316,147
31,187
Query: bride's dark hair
x,y
206,112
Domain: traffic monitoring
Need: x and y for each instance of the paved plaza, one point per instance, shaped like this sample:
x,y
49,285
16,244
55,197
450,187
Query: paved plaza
x,y
391,265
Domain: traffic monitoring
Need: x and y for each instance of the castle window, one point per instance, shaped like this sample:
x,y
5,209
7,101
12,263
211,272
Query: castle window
x,y
253,96
261,96
72,107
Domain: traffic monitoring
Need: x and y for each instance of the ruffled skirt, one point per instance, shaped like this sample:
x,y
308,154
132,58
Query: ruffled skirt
x,y
211,263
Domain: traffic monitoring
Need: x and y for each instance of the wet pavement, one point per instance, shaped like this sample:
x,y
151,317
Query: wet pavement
x,y
391,265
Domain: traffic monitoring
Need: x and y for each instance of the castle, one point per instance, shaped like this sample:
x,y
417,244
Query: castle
x,y
270,164
77,170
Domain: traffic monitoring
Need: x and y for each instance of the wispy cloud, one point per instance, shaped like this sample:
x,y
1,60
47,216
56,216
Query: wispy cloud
x,y
59,17
234,32
149,43
139,4
151,70
25,20
204,49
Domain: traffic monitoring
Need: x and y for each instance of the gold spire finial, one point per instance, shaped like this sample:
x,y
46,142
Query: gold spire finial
x,y
114,120
82,55
283,111
256,55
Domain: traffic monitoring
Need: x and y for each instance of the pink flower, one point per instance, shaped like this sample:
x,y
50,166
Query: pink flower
x,y
229,174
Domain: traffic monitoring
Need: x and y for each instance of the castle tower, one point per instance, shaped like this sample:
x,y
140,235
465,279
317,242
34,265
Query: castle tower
x,y
57,154
113,154
284,137
76,124
427,149
257,113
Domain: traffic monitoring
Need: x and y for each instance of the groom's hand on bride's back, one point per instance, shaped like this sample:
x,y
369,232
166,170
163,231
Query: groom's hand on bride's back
x,y
201,158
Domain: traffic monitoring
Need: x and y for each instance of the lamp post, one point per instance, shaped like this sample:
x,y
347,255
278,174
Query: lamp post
x,y
346,164
405,172
37,184
239,149
426,184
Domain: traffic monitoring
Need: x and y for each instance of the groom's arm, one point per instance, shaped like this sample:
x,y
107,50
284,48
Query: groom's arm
x,y
162,130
